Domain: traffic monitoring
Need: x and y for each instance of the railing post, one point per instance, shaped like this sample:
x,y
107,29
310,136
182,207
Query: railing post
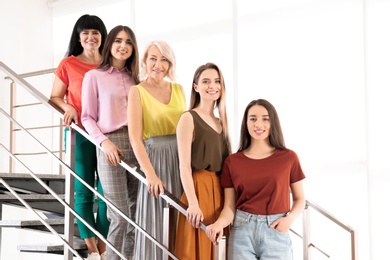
x,y
1,230
306,233
60,147
220,249
12,101
354,255
168,223
69,191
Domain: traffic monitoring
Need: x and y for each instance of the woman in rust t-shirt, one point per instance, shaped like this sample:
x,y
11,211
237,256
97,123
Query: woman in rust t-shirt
x,y
257,181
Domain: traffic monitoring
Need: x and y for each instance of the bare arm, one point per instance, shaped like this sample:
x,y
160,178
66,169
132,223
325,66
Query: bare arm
x,y
284,224
185,135
215,231
135,126
57,97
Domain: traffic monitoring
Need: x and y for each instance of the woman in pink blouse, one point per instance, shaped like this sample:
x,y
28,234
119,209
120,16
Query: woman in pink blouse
x,y
104,117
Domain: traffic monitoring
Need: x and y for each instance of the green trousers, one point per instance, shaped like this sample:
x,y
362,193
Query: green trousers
x,y
86,168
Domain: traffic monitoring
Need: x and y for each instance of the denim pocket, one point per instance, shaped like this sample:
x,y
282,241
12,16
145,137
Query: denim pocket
x,y
239,222
278,232
278,244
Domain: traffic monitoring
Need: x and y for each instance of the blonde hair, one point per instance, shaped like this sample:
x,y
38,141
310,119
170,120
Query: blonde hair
x,y
167,52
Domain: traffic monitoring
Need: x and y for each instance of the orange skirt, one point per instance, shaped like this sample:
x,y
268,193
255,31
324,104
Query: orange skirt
x,y
192,243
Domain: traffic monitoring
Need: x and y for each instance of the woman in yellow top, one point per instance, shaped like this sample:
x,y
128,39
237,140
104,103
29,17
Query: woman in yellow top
x,y
154,109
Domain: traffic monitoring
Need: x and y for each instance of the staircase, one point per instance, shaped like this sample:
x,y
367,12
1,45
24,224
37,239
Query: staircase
x,y
53,211
39,199
31,191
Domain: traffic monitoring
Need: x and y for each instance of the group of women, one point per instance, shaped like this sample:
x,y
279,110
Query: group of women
x,y
134,109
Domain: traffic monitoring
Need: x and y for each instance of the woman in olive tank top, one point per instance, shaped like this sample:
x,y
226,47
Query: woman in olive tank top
x,y
203,143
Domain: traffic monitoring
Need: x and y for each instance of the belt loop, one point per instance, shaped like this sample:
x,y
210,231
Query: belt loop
x,y
269,220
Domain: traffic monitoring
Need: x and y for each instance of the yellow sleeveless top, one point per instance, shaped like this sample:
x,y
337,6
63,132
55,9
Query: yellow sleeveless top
x,y
161,119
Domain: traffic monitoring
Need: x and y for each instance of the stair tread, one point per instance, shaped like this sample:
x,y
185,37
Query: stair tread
x,y
28,223
28,176
4,197
50,247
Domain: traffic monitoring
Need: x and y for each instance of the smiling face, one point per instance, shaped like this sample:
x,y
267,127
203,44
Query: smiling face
x,y
209,85
157,65
121,49
90,39
258,123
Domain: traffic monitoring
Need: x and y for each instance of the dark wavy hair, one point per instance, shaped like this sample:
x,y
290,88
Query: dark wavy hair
x,y
85,22
132,63
276,138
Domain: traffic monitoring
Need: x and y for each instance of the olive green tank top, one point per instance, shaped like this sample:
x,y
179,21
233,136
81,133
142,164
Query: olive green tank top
x,y
209,149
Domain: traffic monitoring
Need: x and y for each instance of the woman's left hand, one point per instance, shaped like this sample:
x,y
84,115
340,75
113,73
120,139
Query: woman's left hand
x,y
112,152
194,216
155,185
282,224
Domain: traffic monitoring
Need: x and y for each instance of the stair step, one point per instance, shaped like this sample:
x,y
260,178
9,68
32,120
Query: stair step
x,y
30,197
78,244
28,176
43,202
29,223
25,183
36,225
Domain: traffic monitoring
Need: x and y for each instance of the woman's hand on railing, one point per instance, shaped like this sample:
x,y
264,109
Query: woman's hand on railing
x,y
155,185
112,152
214,232
194,216
70,115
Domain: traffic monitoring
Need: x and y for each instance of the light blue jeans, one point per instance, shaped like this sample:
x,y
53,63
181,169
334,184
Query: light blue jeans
x,y
252,238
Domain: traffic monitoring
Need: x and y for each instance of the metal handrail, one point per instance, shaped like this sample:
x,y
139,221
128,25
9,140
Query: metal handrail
x,y
311,244
306,230
329,216
52,230
28,87
13,107
167,196
39,127
34,73
65,204
84,183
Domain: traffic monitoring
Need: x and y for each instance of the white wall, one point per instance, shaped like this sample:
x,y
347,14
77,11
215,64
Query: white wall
x,y
26,35
26,44
322,63
378,125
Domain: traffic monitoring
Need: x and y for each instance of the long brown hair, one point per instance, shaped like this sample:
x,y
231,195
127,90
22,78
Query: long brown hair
x,y
276,138
132,63
220,104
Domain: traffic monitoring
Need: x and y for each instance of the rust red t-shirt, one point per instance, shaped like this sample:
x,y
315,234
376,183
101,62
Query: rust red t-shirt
x,y
262,186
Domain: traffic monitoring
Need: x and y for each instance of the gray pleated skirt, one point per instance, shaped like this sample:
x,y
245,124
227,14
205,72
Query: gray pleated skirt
x,y
162,151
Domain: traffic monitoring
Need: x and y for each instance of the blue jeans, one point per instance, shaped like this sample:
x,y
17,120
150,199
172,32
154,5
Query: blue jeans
x,y
252,238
